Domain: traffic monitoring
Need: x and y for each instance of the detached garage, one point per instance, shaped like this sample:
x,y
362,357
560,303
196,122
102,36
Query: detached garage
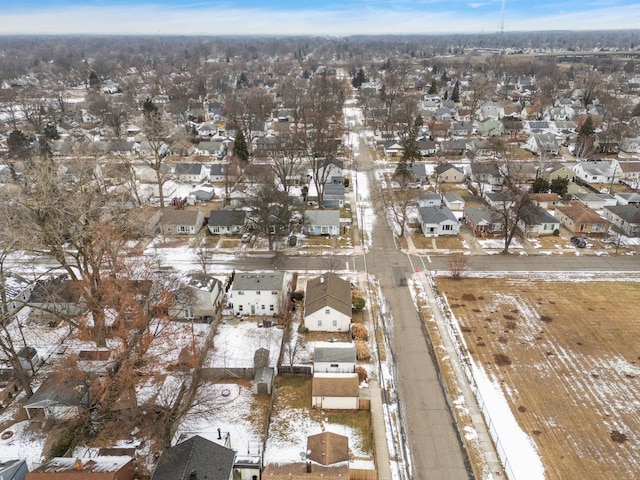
x,y
335,391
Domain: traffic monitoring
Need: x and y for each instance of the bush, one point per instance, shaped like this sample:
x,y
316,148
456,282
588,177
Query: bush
x,y
556,233
362,374
359,331
359,303
363,352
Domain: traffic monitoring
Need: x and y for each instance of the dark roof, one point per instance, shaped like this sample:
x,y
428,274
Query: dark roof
x,y
332,353
196,455
443,167
56,391
437,215
264,281
188,169
628,213
328,448
227,218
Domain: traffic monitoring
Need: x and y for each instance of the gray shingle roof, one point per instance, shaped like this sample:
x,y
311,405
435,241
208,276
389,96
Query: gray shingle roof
x,y
332,291
339,352
208,459
258,281
227,218
436,215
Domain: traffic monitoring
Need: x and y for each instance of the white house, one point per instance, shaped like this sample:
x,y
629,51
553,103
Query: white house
x,y
257,293
327,304
334,357
436,221
598,171
540,222
206,296
321,222
335,391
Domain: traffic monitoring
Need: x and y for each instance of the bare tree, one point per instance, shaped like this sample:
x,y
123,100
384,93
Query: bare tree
x,y
272,210
157,131
287,161
458,265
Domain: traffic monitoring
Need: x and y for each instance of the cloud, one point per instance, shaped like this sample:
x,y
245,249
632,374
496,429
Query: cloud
x,y
375,18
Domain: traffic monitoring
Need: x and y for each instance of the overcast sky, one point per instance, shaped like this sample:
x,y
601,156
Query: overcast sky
x,y
310,17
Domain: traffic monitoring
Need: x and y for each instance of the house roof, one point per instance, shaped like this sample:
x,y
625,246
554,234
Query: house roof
x,y
436,215
481,214
429,196
227,218
539,216
581,214
444,167
67,466
208,459
322,217
628,213
258,281
327,352
179,217
188,169
202,281
328,290
327,448
545,197
600,167
335,385
453,197
57,391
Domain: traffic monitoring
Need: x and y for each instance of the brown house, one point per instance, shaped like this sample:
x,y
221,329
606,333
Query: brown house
x,y
97,468
335,391
580,219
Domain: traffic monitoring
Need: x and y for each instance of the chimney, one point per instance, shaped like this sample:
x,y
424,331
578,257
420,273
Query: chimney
x,y
308,469
193,475
219,435
321,280
78,464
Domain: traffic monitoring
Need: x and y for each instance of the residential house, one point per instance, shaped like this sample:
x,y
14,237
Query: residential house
x,y
598,171
181,222
13,469
557,170
195,459
431,101
327,304
334,357
227,222
210,149
453,147
190,172
631,173
59,399
595,201
483,221
542,144
222,172
429,199
444,114
205,297
580,219
625,217
55,297
499,200
461,129
539,222
94,468
321,222
257,293
420,173
328,448
490,128
428,148
491,111
335,391
545,200
630,144
436,221
632,198
448,173
487,173
393,148
333,195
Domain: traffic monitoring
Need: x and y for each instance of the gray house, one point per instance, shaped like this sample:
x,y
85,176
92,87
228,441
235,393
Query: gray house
x,y
321,222
226,222
625,217
13,469
196,457
337,357
436,221
181,222
333,196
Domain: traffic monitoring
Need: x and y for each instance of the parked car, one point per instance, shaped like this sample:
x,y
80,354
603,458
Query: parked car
x,y
246,237
579,242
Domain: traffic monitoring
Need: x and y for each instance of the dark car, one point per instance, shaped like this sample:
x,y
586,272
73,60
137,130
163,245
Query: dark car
x,y
579,242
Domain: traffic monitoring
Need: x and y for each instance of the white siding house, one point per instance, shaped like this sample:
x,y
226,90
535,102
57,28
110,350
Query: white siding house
x,y
327,304
257,293
335,391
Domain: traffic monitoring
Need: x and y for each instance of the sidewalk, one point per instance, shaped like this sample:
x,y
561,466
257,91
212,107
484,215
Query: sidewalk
x,y
379,432
484,440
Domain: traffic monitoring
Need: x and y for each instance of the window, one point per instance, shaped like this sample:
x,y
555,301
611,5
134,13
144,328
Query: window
x,y
261,307
240,292
257,292
319,323
327,311
335,323
273,292
271,309
334,365
240,307
183,228
216,229
188,312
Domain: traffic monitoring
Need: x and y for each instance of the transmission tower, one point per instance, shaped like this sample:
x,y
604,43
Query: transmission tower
x,y
501,28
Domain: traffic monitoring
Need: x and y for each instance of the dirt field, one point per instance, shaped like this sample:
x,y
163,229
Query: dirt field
x,y
567,355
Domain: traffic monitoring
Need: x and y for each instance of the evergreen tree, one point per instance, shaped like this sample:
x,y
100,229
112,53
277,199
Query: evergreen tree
x,y
559,185
240,149
446,94
358,79
51,131
94,81
540,185
44,149
433,88
587,127
455,95
18,144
